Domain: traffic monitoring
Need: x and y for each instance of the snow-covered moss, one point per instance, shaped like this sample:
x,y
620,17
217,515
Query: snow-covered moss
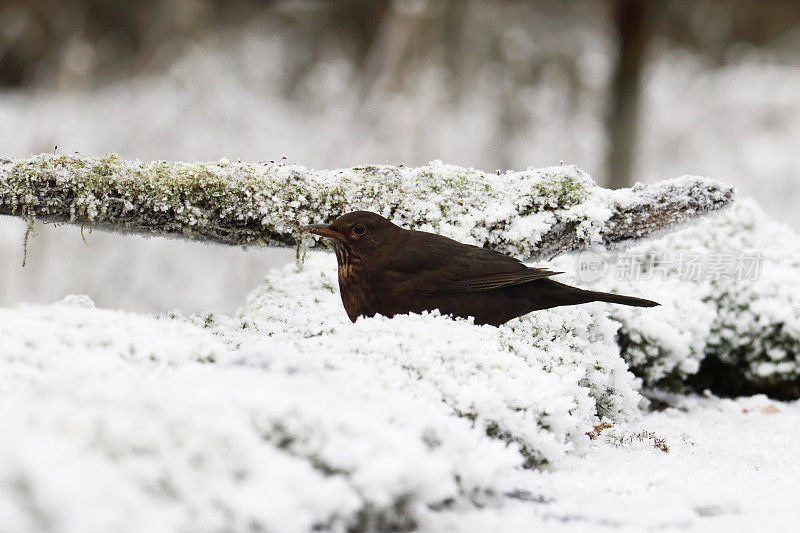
x,y
667,344
288,415
578,341
531,213
166,426
540,381
731,309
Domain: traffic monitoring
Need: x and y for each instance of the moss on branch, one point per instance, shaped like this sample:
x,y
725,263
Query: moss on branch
x,y
536,213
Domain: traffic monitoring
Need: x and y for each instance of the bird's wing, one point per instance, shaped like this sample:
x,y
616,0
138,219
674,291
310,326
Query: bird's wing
x,y
487,282
431,264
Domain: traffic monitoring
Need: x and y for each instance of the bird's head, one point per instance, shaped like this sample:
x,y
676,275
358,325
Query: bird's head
x,y
359,234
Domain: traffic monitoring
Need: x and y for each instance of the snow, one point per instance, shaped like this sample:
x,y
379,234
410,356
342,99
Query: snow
x,y
739,305
345,423
731,467
288,417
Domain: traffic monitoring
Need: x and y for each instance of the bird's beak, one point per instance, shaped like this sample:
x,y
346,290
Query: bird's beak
x,y
323,230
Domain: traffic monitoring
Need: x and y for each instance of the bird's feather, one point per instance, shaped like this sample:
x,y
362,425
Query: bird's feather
x,y
438,265
497,280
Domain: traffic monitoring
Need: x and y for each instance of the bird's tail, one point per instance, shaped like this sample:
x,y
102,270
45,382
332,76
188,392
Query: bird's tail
x,y
595,296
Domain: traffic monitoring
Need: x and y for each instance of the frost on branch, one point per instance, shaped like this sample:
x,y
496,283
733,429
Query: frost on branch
x,y
536,213
735,327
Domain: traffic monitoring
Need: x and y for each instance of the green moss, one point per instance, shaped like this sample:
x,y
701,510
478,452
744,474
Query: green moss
x,y
244,204
560,192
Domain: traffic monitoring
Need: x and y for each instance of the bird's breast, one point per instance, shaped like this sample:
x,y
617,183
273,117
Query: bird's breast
x,y
352,283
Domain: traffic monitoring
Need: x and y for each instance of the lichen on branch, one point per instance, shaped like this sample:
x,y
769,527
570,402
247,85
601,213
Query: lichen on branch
x,y
535,213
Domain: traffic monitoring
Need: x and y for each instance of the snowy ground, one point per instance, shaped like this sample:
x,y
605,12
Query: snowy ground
x,y
732,466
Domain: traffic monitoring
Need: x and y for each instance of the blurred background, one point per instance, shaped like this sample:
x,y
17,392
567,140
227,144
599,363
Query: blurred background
x,y
629,90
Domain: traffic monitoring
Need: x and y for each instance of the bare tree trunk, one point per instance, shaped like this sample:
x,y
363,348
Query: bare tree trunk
x,y
631,23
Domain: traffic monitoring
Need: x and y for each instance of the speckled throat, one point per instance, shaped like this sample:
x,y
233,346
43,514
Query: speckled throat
x,y
351,267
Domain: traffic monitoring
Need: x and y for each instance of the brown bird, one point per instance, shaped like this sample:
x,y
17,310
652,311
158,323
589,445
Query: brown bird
x,y
388,270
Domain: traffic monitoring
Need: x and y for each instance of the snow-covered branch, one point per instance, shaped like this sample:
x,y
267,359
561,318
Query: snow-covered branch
x,y
536,213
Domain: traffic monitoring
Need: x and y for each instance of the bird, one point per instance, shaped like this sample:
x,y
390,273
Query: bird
x,y
387,270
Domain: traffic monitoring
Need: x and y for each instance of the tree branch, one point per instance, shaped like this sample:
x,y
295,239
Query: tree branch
x,y
536,213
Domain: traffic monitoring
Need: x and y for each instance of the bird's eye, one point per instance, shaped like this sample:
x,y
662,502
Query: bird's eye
x,y
358,229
